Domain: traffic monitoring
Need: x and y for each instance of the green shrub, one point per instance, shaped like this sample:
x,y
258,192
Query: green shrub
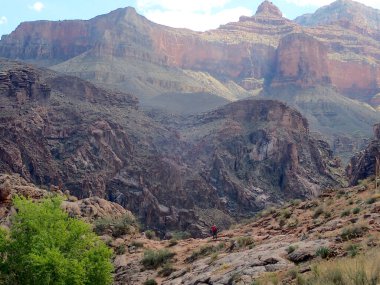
x,y
293,223
180,235
137,244
119,226
371,200
166,270
323,252
150,282
172,242
356,210
244,241
359,270
120,249
154,258
46,246
204,251
353,232
327,215
291,248
286,214
345,213
319,211
150,234
352,249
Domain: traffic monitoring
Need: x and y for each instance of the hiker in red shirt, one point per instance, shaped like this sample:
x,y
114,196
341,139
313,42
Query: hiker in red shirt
x,y
214,232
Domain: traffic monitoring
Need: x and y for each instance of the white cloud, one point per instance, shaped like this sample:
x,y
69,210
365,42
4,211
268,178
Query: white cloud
x,y
184,6
3,20
37,6
199,15
319,3
198,21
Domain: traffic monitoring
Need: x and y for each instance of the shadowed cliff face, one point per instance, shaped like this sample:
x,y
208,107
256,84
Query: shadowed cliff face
x,y
363,164
235,160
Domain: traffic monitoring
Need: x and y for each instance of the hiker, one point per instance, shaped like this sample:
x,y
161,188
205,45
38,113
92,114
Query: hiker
x,y
214,232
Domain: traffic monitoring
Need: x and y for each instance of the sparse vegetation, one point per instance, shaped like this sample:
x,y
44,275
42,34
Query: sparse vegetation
x,y
150,234
356,211
370,200
323,252
245,242
180,235
120,249
150,282
117,226
345,213
286,214
172,242
360,270
137,244
352,249
155,258
353,232
319,211
204,251
291,248
166,270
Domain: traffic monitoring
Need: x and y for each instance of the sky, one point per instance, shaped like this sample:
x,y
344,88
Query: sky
x,y
199,15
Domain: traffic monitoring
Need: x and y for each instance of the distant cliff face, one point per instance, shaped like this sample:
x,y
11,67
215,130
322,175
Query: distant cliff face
x,y
60,130
244,51
301,60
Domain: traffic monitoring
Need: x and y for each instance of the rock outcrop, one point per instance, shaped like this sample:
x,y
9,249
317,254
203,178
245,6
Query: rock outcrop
x,y
363,164
301,60
95,142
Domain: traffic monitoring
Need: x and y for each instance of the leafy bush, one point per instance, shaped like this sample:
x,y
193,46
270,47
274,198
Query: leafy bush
x,y
46,246
153,259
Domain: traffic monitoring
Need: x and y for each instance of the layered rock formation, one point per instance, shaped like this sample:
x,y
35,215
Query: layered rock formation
x,y
94,142
126,51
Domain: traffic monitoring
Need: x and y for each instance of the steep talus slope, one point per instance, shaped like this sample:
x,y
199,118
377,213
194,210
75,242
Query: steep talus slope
x,y
61,130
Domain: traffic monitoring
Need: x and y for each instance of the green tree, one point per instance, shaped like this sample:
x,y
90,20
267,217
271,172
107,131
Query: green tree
x,y
45,246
